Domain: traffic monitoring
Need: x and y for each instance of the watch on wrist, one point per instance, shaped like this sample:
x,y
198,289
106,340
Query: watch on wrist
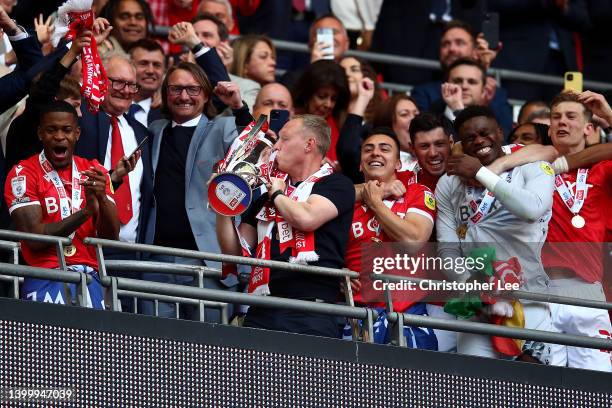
x,y
276,194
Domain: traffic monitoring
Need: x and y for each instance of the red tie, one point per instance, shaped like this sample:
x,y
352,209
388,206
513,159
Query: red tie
x,y
123,195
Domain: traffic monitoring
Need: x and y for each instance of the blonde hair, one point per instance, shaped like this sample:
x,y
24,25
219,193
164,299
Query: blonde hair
x,y
243,50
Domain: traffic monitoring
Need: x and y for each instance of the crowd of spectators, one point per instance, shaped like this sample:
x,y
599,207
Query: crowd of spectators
x,y
359,166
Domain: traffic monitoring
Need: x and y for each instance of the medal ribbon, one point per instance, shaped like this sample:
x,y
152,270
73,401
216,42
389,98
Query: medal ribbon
x,y
479,212
66,208
575,203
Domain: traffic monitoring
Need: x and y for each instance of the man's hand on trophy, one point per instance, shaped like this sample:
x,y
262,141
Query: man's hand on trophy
x,y
229,93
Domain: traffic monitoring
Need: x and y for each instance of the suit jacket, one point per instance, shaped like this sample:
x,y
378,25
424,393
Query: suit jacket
x,y
93,142
429,98
15,85
209,144
154,114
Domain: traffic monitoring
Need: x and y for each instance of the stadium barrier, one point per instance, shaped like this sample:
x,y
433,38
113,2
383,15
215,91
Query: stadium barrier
x,y
124,360
180,293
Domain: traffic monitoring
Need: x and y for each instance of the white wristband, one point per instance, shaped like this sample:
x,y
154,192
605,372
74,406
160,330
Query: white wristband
x,y
487,178
560,165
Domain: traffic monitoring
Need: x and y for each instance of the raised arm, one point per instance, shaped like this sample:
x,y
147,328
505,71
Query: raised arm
x,y
529,201
525,155
228,238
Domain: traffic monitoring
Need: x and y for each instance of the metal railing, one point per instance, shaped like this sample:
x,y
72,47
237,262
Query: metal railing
x,y
13,248
499,73
179,293
509,294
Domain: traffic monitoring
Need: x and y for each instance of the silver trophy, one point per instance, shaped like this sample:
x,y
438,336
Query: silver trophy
x,y
245,168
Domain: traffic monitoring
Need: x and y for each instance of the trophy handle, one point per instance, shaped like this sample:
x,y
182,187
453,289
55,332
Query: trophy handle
x,y
229,194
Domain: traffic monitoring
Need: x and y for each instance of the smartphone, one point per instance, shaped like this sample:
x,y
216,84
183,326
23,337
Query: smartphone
x,y
326,36
490,29
278,118
139,146
572,81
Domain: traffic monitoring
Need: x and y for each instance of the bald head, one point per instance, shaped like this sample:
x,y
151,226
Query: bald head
x,y
121,74
272,96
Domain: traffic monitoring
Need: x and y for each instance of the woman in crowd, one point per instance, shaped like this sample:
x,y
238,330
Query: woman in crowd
x,y
254,58
397,114
323,90
130,20
530,133
356,69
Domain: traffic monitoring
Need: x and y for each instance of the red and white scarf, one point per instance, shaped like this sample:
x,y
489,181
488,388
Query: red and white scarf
x,y
74,16
301,243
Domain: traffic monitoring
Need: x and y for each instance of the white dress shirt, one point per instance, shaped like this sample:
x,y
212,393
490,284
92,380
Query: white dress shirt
x,y
190,123
128,231
143,115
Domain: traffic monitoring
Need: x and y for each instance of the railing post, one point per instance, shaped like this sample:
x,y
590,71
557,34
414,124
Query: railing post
x,y
201,309
60,256
388,300
81,290
368,326
397,331
224,314
115,304
101,264
350,301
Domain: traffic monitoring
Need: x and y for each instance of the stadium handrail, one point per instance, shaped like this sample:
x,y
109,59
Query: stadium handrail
x,y
499,73
187,253
399,319
79,278
156,298
511,294
59,242
117,284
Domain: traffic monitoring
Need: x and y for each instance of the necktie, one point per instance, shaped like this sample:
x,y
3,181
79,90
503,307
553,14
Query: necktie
x,y
134,109
123,195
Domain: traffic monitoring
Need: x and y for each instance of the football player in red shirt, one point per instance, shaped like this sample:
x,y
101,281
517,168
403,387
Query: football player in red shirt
x,y
57,193
407,219
573,254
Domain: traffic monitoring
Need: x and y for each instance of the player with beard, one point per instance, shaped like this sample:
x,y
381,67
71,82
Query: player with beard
x,y
513,218
408,219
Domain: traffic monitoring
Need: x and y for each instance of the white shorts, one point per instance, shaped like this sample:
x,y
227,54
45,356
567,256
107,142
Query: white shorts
x,y
581,321
537,316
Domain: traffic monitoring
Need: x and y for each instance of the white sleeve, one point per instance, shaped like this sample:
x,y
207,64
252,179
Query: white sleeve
x,y
368,11
529,201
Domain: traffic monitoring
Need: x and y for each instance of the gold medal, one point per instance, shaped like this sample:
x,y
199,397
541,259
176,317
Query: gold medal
x,y
578,221
462,231
70,250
